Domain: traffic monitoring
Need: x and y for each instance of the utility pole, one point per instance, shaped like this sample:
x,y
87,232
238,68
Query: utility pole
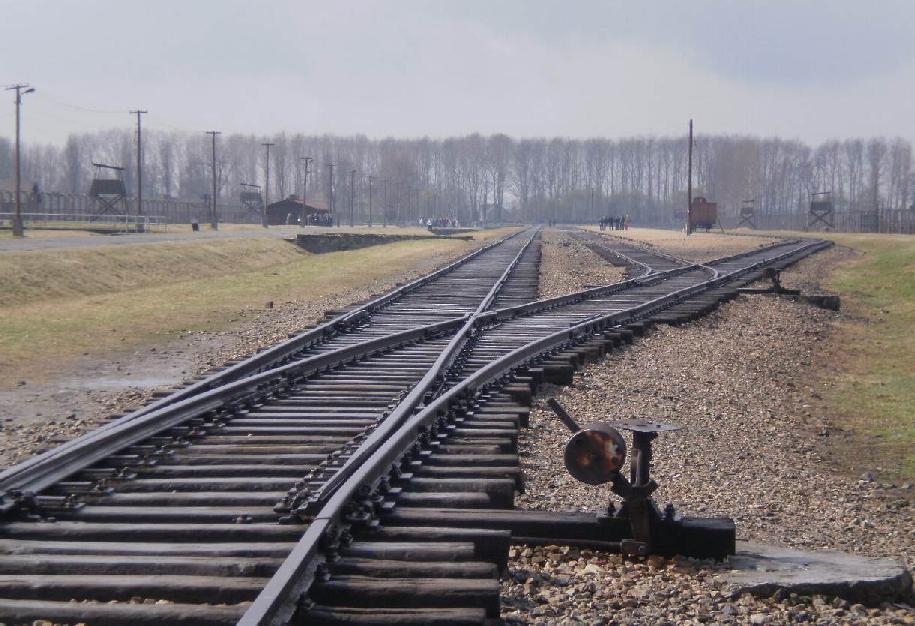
x,y
138,113
266,185
352,195
18,230
689,182
214,219
305,186
384,210
371,178
330,195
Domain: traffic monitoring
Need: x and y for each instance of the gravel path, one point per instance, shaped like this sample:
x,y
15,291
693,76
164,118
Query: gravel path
x,y
567,266
752,448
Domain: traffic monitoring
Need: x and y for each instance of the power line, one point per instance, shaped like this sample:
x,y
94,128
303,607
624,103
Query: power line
x,y
77,107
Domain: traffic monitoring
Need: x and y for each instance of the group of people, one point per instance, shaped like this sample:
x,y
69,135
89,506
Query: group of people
x,y
319,219
614,223
311,219
439,222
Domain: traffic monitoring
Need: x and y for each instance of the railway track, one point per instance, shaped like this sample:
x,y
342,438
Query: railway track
x,y
111,516
441,295
379,551
368,481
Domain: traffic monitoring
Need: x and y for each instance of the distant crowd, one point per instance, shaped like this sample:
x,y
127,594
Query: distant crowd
x,y
614,223
311,219
320,219
439,222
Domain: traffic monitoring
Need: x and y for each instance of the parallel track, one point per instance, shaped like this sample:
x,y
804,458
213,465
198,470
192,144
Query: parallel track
x,y
380,549
380,451
117,515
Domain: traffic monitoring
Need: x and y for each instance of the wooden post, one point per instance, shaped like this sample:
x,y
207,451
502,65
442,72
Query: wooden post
x,y
689,182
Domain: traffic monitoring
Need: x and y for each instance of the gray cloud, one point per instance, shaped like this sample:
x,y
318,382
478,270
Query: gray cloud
x,y
810,69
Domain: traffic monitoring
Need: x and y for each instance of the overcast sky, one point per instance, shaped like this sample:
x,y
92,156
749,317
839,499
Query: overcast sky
x,y
794,68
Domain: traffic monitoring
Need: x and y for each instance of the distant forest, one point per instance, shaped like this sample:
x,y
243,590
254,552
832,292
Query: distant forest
x,y
495,177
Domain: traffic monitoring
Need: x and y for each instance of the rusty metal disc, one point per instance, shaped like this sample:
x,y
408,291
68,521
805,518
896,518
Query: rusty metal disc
x,y
595,453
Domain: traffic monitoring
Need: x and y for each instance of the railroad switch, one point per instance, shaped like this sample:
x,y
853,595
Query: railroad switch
x,y
595,455
774,276
824,301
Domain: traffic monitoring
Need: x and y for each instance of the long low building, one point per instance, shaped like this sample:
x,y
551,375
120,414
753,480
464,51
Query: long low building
x,y
291,210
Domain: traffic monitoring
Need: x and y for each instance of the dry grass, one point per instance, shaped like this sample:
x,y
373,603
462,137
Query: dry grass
x,y
876,370
51,275
59,305
872,368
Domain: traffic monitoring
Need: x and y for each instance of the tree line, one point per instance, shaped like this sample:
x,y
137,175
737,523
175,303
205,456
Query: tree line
x,y
492,178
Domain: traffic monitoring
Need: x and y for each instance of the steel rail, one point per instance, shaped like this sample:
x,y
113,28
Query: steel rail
x,y
95,445
311,337
269,604
280,384
647,270
56,464
36,466
614,288
277,603
416,395
633,243
315,335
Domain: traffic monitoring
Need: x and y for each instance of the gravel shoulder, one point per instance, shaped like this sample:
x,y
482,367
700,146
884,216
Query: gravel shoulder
x,y
567,265
743,383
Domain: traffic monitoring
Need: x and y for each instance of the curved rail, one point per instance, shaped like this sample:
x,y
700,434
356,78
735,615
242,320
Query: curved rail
x,y
37,472
421,391
253,403
277,602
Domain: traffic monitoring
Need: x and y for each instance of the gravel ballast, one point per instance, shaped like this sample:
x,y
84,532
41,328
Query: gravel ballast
x,y
567,265
741,383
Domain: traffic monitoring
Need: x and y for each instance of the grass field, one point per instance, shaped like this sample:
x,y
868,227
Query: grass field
x,y
60,304
876,369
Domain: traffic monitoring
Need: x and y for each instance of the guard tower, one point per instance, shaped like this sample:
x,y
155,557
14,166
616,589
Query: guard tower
x,y
748,214
252,199
107,193
821,211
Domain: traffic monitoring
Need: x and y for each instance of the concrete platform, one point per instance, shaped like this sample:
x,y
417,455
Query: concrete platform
x,y
763,569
